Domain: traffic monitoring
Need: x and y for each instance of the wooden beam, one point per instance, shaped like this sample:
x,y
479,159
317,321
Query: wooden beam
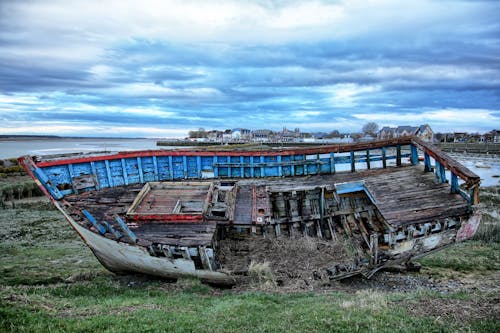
x,y
455,167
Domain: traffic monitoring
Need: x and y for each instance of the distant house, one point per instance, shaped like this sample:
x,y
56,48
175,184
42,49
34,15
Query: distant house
x,y
496,136
386,133
214,135
460,137
262,135
241,134
424,132
289,136
405,131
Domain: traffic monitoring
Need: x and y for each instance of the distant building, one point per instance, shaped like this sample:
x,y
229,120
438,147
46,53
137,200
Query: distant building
x,y
289,136
262,135
496,136
460,137
241,134
423,132
386,133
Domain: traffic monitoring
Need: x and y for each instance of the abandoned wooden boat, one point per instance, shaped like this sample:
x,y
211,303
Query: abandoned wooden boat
x,y
172,213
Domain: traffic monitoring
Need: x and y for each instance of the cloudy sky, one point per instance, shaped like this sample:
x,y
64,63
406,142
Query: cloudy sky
x,y
161,68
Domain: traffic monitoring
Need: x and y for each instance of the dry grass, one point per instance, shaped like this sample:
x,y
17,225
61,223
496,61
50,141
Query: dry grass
x,y
489,230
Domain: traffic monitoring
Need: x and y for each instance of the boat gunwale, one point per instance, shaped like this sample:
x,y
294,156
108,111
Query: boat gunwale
x,y
339,148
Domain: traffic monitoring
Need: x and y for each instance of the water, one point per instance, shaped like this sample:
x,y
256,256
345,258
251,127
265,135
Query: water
x,y
16,148
490,176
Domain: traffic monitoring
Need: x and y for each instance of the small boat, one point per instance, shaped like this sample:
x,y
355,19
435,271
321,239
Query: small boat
x,y
482,165
210,213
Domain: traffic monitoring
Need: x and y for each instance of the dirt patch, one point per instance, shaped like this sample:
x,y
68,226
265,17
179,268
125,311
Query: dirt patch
x,y
457,310
289,263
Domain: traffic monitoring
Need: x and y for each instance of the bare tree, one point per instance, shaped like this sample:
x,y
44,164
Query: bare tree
x,y
370,128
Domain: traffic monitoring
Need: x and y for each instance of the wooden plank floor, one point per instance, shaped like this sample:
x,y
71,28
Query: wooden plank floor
x,y
186,234
403,195
410,196
244,205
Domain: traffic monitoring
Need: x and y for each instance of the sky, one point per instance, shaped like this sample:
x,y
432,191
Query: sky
x,y
161,68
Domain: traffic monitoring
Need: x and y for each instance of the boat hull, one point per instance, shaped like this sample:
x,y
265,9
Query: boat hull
x,y
391,214
120,257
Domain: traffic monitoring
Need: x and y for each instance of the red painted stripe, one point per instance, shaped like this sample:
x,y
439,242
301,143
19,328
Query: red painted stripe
x,y
169,217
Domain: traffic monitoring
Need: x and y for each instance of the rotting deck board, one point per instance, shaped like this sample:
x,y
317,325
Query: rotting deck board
x,y
199,234
244,203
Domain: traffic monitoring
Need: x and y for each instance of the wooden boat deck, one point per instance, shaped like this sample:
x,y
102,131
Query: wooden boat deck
x,y
408,195
192,234
403,195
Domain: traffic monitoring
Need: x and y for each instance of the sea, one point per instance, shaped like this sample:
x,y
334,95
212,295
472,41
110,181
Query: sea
x,y
486,166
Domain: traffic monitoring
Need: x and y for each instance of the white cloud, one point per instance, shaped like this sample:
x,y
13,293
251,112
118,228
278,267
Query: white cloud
x,y
17,99
92,22
151,112
72,129
441,119
154,90
347,94
304,114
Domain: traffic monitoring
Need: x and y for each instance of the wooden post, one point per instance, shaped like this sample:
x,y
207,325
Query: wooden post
x,y
318,165
436,169
353,166
442,173
332,163
414,155
374,248
384,157
368,159
427,163
475,195
398,155
454,183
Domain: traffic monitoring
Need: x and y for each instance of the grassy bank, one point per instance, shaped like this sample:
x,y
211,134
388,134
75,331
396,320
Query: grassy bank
x,y
51,282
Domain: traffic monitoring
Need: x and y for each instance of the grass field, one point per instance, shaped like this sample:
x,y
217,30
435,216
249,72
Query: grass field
x,y
51,282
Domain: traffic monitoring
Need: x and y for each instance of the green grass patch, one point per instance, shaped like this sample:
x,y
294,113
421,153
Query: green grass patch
x,y
470,256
